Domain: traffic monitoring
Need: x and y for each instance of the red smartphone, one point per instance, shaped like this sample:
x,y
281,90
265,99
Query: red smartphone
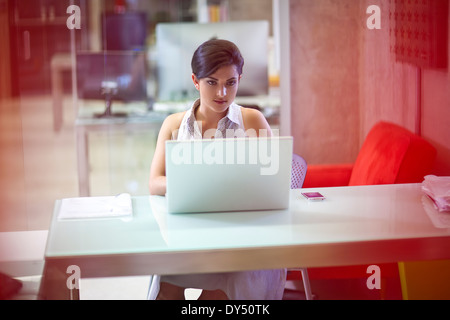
x,y
313,196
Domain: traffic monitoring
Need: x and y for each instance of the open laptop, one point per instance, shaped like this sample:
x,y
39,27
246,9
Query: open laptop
x,y
214,175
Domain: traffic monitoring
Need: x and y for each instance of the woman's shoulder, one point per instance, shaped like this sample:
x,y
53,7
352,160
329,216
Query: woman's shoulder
x,y
251,112
171,124
254,119
174,119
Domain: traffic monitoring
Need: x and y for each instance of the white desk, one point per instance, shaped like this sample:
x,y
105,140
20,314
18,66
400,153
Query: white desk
x,y
354,225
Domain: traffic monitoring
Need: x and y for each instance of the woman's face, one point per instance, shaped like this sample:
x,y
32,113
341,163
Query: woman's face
x,y
218,90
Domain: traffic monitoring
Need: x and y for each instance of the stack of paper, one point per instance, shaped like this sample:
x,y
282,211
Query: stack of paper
x,y
96,207
438,189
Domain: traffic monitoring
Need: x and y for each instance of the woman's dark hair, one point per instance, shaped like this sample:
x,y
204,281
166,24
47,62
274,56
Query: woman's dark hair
x,y
214,54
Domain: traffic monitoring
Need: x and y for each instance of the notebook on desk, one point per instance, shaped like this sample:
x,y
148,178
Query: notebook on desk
x,y
214,175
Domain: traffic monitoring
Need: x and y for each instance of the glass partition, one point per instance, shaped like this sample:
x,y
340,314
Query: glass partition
x,y
68,60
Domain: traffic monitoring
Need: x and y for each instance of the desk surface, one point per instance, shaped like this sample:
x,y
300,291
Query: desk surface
x,y
354,225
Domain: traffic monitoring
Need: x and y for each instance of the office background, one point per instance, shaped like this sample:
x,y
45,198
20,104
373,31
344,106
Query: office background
x,y
39,161
339,80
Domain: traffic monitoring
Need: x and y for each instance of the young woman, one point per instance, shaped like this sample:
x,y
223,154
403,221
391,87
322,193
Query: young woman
x,y
216,71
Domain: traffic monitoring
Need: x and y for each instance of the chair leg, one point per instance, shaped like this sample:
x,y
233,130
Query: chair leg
x,y
306,284
402,273
153,288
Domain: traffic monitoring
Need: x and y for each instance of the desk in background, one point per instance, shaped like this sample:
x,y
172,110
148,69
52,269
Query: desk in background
x,y
354,225
143,121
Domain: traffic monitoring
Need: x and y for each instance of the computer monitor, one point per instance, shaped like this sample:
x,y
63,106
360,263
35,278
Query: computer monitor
x,y
176,43
112,75
124,31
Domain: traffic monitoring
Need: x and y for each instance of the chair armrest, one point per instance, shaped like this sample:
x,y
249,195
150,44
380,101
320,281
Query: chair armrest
x,y
328,175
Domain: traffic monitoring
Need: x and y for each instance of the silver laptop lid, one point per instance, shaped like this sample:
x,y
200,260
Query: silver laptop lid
x,y
240,174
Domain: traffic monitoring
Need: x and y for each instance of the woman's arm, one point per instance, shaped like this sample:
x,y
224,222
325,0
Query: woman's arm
x,y
157,181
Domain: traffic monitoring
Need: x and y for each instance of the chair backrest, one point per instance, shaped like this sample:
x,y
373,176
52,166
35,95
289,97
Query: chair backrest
x,y
298,172
392,154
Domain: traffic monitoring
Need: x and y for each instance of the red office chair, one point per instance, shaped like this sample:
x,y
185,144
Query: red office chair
x,y
390,154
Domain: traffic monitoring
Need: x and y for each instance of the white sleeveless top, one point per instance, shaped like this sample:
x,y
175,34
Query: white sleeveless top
x,y
189,128
244,285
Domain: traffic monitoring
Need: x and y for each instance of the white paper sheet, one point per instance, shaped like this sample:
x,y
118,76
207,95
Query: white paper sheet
x,y
96,207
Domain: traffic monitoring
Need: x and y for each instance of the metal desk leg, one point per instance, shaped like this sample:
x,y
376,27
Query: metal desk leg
x,y
83,161
57,98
